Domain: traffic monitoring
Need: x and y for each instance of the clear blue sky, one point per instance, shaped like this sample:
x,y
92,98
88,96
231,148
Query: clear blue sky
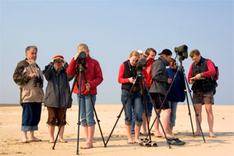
x,y
112,29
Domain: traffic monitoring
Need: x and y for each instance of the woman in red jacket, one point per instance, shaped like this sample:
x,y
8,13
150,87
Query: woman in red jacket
x,y
94,78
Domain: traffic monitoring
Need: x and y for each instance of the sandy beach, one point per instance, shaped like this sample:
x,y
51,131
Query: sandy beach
x,y
223,144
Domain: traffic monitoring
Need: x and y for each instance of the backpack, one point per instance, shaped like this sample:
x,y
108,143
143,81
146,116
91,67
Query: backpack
x,y
215,77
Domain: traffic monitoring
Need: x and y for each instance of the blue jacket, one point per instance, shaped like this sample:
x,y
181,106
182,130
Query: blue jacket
x,y
176,93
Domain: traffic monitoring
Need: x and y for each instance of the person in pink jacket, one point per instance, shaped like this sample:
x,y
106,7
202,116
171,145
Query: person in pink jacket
x,y
94,77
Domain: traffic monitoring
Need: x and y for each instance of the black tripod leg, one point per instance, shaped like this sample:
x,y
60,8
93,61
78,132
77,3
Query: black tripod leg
x,y
187,85
118,117
146,116
157,115
80,96
191,121
75,81
98,121
144,103
78,130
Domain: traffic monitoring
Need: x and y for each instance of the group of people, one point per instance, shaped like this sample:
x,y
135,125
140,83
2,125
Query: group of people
x,y
136,91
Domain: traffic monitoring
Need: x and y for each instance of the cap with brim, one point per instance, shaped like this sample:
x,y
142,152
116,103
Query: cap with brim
x,y
141,52
166,52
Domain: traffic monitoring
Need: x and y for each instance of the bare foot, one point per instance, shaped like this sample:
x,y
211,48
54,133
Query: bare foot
x,y
34,139
62,141
212,135
158,134
137,141
169,136
87,146
130,141
197,134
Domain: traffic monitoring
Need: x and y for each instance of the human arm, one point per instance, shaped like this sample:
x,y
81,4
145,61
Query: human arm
x,y
121,78
48,71
98,77
190,74
157,72
18,76
71,70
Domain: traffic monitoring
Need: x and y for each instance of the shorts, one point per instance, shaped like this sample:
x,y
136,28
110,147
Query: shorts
x,y
158,99
55,116
203,98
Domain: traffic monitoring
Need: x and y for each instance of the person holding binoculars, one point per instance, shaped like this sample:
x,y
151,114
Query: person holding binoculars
x,y
57,97
29,78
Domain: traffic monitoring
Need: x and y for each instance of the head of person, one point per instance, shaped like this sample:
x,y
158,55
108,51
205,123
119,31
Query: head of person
x,y
142,55
58,61
195,56
83,48
150,53
133,58
166,54
172,63
31,53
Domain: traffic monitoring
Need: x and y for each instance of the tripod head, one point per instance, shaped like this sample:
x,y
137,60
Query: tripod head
x,y
81,61
140,65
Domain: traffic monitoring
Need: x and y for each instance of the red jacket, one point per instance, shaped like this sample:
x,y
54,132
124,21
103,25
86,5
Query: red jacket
x,y
148,71
93,75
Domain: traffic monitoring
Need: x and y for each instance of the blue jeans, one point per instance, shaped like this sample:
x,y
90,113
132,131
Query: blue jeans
x,y
149,106
31,116
173,106
133,118
86,110
134,102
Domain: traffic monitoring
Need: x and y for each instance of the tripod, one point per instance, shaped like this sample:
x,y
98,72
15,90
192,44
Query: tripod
x,y
181,68
139,79
80,72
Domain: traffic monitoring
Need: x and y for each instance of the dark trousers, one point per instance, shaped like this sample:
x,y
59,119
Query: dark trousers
x,y
31,116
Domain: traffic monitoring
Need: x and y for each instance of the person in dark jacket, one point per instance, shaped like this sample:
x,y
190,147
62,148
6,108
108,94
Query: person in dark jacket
x,y
200,76
57,97
158,89
176,93
94,78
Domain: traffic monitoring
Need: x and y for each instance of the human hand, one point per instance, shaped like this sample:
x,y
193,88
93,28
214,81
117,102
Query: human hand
x,y
198,76
169,80
32,75
76,56
87,85
131,79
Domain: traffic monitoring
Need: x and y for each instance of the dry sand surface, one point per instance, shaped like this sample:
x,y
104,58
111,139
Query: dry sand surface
x,y
10,135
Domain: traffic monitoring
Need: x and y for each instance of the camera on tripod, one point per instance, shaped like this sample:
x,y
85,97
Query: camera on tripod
x,y
37,80
141,64
182,51
80,59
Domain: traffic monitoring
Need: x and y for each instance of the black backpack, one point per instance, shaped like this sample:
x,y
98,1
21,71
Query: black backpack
x,y
215,77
